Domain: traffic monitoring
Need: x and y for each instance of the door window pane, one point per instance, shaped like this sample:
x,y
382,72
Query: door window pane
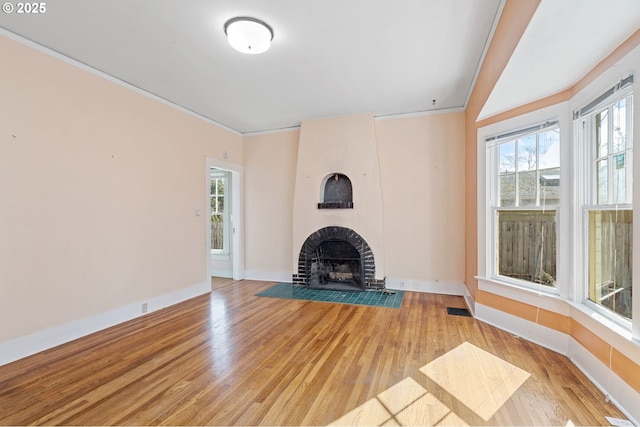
x,y
217,192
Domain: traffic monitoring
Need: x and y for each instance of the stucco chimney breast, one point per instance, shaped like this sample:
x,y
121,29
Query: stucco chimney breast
x,y
343,149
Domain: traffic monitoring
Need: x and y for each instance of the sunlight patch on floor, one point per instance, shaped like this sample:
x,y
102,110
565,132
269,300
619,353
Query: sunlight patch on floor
x,y
406,403
370,413
476,378
399,396
426,411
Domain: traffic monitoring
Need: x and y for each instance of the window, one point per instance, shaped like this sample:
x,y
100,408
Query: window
x,y
556,201
525,180
219,221
607,142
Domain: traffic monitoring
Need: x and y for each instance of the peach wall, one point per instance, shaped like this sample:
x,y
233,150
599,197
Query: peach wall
x,y
514,19
270,171
423,188
422,199
99,188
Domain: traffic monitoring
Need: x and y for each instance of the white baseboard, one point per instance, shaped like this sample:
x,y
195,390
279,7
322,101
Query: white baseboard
x,y
19,348
471,303
534,332
428,286
613,387
268,276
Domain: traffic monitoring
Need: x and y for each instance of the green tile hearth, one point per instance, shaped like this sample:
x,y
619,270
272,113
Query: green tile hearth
x,y
371,298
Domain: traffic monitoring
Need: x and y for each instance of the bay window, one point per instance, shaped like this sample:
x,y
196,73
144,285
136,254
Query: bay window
x,y
556,197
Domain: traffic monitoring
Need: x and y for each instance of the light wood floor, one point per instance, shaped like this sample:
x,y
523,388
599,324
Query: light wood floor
x,y
231,358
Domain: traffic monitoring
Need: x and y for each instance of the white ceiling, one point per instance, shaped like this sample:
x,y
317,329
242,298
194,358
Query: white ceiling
x,y
564,40
329,57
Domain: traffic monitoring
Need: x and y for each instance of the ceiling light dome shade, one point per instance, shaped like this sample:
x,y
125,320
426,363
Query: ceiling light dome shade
x,y
248,35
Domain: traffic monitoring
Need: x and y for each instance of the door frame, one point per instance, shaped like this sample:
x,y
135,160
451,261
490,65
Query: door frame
x,y
235,217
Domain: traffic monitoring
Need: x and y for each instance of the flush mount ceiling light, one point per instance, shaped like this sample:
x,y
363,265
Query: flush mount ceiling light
x,y
248,35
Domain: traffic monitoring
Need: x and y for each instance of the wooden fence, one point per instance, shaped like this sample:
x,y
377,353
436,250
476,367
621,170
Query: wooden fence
x,y
527,245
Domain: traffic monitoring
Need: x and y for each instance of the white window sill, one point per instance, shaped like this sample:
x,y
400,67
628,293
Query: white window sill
x,y
538,297
610,324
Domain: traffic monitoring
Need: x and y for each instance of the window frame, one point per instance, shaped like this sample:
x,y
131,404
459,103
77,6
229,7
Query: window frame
x,y
586,190
492,149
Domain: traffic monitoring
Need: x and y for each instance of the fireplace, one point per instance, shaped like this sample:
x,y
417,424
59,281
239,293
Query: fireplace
x,y
337,204
337,258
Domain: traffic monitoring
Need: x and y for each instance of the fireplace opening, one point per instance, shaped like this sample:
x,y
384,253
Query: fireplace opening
x,y
337,258
337,265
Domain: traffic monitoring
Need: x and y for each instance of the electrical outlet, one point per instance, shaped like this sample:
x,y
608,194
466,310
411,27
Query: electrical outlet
x,y
144,307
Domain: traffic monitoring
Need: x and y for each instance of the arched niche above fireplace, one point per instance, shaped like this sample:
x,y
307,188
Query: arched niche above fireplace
x,y
337,192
